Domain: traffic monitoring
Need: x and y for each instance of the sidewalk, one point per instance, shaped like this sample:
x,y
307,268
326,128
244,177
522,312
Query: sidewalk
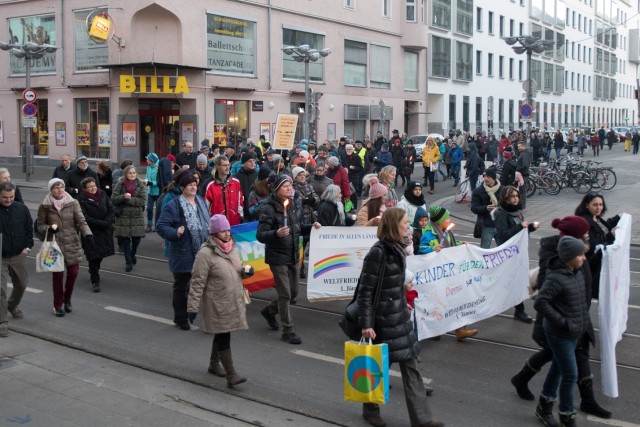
x,y
46,384
544,208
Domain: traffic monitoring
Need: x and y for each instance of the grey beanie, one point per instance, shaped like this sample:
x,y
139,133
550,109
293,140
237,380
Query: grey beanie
x,y
201,159
569,248
334,160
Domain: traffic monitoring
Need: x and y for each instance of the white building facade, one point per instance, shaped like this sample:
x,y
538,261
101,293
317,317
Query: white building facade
x,y
587,79
214,69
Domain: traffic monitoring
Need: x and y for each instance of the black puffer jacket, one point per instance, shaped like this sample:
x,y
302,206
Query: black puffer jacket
x,y
548,251
392,322
563,302
16,226
99,215
75,177
597,236
280,250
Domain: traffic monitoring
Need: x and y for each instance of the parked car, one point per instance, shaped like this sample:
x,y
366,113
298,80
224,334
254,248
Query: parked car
x,y
622,130
420,140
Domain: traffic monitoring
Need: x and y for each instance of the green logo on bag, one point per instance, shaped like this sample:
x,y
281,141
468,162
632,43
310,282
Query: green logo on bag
x,y
364,374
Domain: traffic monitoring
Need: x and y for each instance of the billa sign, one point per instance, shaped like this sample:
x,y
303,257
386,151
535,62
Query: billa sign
x,y
154,84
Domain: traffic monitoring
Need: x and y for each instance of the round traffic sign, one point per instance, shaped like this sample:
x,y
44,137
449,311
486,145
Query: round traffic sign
x,y
526,111
29,95
29,109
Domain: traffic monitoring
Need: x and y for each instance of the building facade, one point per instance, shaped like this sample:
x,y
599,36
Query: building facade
x,y
215,69
588,78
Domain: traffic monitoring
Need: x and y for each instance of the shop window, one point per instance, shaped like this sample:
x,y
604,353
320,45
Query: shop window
x,y
291,69
39,133
92,128
89,55
231,121
36,29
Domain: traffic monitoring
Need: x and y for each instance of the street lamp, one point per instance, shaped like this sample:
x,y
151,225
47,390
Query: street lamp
x,y
306,54
528,45
28,51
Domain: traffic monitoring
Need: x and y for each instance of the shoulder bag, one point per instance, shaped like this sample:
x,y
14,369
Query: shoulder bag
x,y
349,321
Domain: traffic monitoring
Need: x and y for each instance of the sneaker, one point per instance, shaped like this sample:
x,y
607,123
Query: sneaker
x,y
291,338
270,318
4,329
16,313
522,316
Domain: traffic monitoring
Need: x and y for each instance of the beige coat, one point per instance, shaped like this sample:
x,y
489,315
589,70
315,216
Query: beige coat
x,y
216,278
362,220
70,222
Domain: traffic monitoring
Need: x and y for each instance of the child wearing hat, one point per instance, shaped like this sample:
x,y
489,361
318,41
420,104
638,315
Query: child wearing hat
x,y
372,209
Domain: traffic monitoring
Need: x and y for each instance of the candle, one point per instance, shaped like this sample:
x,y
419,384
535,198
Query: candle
x,y
286,214
446,233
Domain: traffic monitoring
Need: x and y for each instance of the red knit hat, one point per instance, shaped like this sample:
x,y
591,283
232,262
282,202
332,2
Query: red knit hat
x,y
171,158
574,226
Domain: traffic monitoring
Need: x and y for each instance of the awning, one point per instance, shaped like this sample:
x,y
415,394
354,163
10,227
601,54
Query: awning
x,y
157,65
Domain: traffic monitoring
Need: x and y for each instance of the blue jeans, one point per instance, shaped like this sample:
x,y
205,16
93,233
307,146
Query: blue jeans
x,y
488,233
455,172
563,372
151,202
473,181
558,152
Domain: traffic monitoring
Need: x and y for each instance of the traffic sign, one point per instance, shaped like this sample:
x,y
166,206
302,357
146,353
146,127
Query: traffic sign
x,y
526,111
29,122
29,109
29,95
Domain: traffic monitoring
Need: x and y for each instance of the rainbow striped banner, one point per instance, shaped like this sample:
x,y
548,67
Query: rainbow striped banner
x,y
331,263
252,253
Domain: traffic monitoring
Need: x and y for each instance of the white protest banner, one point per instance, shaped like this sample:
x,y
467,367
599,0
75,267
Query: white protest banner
x,y
465,284
613,305
336,255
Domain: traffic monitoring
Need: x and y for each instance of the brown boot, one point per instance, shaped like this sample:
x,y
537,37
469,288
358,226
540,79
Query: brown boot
x,y
214,362
232,376
463,333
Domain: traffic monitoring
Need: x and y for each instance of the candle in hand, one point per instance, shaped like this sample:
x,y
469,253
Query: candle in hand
x,y
446,234
286,214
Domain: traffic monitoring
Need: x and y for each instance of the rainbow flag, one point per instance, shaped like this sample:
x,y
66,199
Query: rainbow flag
x,y
252,253
331,263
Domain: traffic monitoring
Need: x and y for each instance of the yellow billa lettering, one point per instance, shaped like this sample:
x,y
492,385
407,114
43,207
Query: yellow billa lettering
x,y
181,85
154,85
166,85
143,84
127,84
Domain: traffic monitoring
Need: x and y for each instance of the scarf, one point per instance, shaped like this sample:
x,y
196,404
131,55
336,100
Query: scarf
x,y
514,212
225,247
491,191
415,201
340,207
130,186
60,203
95,197
197,224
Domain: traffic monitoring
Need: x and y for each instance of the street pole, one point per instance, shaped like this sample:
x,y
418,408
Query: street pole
x,y
28,152
529,101
305,119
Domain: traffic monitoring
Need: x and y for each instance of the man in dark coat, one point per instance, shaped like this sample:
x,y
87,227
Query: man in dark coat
x,y
63,168
354,169
75,176
484,200
377,144
16,227
187,158
523,163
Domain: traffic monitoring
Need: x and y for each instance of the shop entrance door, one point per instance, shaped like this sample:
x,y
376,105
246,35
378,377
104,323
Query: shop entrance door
x,y
159,133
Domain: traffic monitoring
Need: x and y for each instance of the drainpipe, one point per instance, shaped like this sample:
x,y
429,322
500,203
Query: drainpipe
x,y
269,42
61,41
426,86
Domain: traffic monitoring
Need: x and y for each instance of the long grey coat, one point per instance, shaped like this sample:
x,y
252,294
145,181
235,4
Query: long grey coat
x,y
131,222
70,221
216,286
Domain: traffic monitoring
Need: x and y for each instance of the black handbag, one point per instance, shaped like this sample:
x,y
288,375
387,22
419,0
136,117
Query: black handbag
x,y
349,321
477,229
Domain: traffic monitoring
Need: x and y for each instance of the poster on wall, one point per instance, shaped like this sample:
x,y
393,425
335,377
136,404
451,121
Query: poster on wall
x,y
61,133
129,134
104,136
231,45
187,132
285,134
82,134
220,134
39,29
265,129
90,55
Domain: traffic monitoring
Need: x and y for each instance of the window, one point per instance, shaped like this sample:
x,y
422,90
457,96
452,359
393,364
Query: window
x,y
521,29
511,62
355,63
464,61
511,114
441,13
464,17
490,65
560,41
573,79
478,19
512,27
501,67
579,52
380,70
578,82
89,55
536,71
490,23
410,11
465,112
411,69
501,113
386,9
295,70
440,57
452,112
478,62
537,8
350,4
92,128
478,112
547,78
39,29
501,26
520,70
579,22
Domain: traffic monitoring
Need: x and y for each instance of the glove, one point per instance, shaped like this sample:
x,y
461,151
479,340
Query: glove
x,y
248,270
309,200
53,230
191,317
89,239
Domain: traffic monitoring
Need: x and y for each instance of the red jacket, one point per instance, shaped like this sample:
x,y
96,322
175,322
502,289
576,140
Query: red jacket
x,y
228,202
341,179
502,144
